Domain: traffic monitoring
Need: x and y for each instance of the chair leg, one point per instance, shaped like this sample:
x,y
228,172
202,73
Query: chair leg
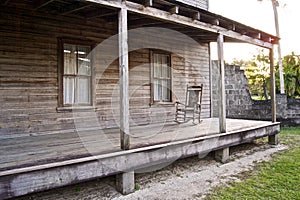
x,y
193,116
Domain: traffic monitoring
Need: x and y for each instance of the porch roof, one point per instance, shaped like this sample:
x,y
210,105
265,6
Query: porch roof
x,y
200,24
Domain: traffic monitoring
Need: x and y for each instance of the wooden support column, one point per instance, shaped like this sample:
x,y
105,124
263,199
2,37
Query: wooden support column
x,y
123,69
222,96
273,91
125,182
273,139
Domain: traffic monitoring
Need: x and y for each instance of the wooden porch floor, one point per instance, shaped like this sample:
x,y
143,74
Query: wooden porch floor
x,y
44,149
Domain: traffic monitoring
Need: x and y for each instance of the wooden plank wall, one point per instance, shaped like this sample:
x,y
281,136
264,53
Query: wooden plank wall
x,y
29,75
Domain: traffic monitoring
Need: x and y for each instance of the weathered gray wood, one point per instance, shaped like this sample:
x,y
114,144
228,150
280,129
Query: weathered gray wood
x,y
124,75
125,182
174,10
26,180
148,3
196,16
222,155
41,3
203,4
222,95
273,90
163,15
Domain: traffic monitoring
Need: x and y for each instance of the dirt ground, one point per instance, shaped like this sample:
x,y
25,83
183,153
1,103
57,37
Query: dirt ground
x,y
189,178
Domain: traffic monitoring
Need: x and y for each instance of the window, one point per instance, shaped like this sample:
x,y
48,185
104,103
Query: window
x,y
161,77
76,75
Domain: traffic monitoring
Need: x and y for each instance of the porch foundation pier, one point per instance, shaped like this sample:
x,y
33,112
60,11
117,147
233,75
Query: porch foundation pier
x,y
222,155
125,182
124,85
273,139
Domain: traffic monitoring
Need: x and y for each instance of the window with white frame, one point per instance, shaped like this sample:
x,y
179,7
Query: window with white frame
x,y
161,77
76,76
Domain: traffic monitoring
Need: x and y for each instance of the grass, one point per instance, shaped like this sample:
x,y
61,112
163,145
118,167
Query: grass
x,y
277,179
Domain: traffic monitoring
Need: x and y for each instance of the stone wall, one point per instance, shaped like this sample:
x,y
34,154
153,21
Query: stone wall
x,y
239,103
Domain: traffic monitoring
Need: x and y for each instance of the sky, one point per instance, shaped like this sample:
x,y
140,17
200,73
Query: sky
x,y
259,15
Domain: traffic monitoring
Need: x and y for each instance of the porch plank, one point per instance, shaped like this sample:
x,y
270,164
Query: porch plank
x,y
35,150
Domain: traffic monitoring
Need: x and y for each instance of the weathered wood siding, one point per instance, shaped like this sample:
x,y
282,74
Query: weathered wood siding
x,y
203,4
29,75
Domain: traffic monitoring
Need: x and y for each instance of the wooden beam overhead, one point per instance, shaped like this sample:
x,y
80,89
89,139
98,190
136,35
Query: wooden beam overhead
x,y
232,27
186,21
259,36
216,22
73,8
5,2
100,13
144,22
148,3
196,16
41,3
174,10
183,20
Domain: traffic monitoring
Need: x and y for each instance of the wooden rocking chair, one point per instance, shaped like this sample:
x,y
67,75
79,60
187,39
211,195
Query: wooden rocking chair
x,y
192,107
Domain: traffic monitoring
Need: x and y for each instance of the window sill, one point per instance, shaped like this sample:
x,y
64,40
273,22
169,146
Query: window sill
x,y
158,104
75,109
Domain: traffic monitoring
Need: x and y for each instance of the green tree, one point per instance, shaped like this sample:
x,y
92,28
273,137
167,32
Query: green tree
x,y
291,68
257,71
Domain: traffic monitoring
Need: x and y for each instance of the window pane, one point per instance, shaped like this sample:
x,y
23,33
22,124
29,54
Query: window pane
x,y
165,90
165,66
157,90
84,62
69,90
157,65
69,59
83,90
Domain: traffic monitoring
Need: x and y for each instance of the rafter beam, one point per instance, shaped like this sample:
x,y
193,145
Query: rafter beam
x,y
100,13
74,8
5,2
148,3
184,21
41,3
196,16
174,10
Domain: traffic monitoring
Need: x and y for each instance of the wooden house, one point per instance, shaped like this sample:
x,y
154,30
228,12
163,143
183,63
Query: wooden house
x,y
88,89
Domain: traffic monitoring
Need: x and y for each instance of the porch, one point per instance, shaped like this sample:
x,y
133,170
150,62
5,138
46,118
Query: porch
x,y
36,163
45,145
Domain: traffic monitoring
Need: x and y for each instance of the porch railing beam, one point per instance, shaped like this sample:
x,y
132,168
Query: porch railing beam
x,y
222,97
123,68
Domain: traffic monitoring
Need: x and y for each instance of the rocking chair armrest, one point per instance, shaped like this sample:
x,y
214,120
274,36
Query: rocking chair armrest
x,y
177,102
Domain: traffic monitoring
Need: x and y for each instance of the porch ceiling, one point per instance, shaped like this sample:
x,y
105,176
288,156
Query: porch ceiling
x,y
201,25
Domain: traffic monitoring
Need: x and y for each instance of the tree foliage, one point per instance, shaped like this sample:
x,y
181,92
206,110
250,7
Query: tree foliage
x,y
291,69
257,70
257,73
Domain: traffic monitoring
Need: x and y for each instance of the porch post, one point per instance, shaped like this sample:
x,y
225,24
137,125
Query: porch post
x,y
123,71
273,91
273,139
222,96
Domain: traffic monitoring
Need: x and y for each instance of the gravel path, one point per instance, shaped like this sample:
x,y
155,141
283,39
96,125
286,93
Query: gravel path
x,y
190,178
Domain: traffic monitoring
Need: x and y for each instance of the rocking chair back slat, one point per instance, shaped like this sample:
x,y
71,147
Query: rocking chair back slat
x,y
192,104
